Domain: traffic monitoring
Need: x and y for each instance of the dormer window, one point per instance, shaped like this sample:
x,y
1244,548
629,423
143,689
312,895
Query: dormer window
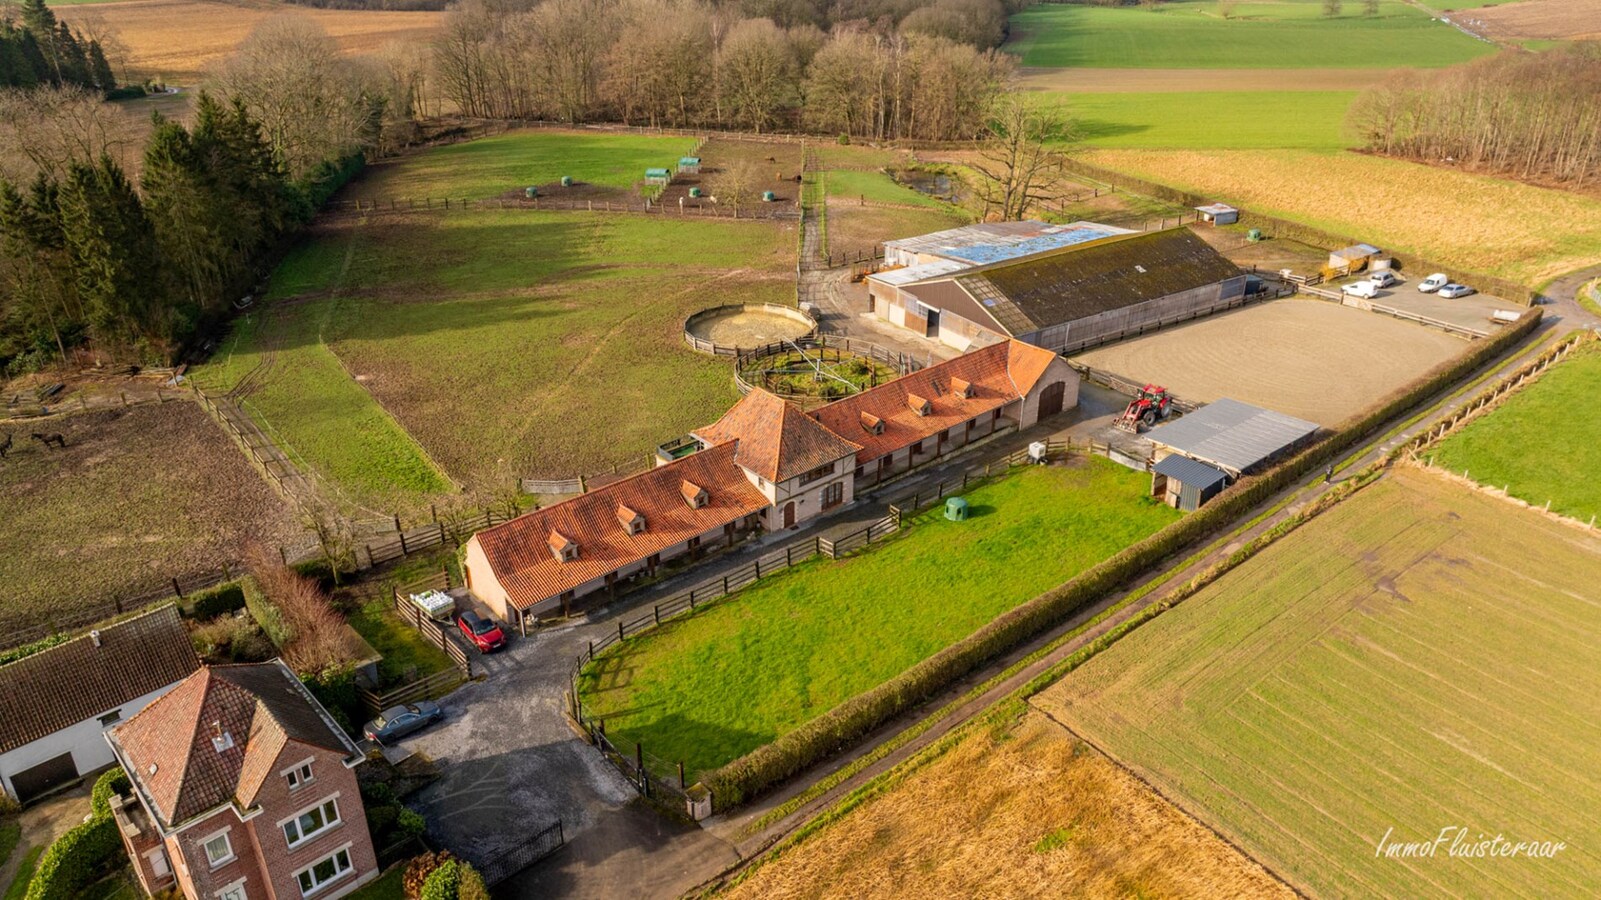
x,y
563,547
963,389
632,522
694,494
872,423
919,405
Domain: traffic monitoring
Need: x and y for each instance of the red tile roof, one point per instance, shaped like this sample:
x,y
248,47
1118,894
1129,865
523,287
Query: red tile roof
x,y
71,682
530,572
216,737
776,440
994,376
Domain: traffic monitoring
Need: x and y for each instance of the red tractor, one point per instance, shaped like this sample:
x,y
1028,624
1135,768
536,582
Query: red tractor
x,y
1153,404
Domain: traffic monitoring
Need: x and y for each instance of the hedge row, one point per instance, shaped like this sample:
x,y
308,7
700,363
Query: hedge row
x,y
1297,231
224,598
84,854
837,729
266,614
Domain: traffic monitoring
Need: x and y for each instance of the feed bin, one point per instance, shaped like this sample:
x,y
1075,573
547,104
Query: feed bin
x,y
694,192
956,509
768,196
530,192
567,181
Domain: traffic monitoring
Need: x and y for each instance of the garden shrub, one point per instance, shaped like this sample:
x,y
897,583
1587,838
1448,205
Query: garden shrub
x,y
418,870
770,764
112,782
232,639
77,859
443,882
472,885
335,688
318,570
44,643
224,598
267,615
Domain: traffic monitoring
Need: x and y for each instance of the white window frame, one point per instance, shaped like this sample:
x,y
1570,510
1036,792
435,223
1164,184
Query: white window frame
x,y
327,825
293,775
321,886
234,891
227,858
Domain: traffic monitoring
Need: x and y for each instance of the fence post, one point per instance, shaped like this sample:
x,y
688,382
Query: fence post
x,y
176,589
619,629
656,612
404,551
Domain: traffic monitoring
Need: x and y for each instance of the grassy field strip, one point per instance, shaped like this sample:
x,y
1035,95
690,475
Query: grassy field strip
x,y
1195,34
711,686
1232,120
510,162
848,184
1517,231
1454,742
1534,445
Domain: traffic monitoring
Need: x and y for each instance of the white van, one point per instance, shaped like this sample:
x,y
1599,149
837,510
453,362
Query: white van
x,y
1433,283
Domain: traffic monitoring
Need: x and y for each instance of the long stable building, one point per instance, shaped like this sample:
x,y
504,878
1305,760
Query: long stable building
x,y
764,464
1061,287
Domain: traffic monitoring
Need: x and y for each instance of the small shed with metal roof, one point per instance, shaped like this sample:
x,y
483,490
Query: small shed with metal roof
x,y
1219,213
657,176
689,165
1185,483
1236,437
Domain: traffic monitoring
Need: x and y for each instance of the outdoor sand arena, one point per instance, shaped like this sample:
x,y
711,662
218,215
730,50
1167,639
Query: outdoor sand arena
x,y
1307,358
752,326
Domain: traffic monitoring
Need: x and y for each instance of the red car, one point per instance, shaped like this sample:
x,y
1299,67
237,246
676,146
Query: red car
x,y
484,633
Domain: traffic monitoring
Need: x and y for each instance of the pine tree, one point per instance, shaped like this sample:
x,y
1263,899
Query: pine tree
x,y
112,249
190,214
100,70
34,56
39,297
15,69
37,18
71,59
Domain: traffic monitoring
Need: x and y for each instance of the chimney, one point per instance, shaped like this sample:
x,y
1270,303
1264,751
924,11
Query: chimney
x,y
220,739
94,637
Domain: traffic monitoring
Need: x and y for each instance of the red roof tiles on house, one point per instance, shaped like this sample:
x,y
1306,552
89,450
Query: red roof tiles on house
x,y
995,376
530,573
776,440
69,683
215,738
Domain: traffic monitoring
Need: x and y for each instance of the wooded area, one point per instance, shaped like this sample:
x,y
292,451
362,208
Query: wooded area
x,y
1534,116
679,63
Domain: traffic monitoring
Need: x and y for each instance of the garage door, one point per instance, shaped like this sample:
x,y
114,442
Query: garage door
x,y
45,777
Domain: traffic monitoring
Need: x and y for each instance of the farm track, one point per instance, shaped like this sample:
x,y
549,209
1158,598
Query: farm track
x,y
751,838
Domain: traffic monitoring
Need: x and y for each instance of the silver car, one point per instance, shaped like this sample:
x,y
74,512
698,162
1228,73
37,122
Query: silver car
x,y
399,721
1453,291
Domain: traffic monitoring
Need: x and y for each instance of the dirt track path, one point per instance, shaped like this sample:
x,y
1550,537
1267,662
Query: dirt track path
x,y
741,830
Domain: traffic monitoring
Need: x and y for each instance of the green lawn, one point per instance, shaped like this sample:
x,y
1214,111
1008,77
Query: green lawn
x,y
1224,120
388,886
1540,443
18,888
513,161
1192,34
710,687
494,344
845,184
407,655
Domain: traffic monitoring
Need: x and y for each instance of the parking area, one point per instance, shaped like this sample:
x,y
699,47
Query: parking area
x,y
1472,312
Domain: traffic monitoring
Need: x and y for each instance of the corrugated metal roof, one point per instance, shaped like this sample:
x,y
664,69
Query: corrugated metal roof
x,y
913,274
1192,472
1216,208
992,242
1232,435
1002,310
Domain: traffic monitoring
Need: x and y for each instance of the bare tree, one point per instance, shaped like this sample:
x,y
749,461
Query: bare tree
x,y
737,187
758,74
313,104
1331,8
46,128
1022,166
1370,8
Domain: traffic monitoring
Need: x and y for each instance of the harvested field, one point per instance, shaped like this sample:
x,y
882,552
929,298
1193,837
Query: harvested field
x,y
1021,810
1564,20
139,496
1307,358
1421,657
1541,445
176,40
1518,231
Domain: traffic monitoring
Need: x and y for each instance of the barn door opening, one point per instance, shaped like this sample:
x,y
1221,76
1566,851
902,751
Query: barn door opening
x,y
1052,398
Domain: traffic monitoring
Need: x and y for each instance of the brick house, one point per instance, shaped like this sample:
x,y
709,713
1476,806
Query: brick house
x,y
243,789
764,463
56,704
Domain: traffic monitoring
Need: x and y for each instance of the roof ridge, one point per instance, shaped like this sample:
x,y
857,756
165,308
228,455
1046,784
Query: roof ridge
x,y
120,623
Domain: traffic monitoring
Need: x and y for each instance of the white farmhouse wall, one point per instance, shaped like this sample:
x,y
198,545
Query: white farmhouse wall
x,y
85,741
